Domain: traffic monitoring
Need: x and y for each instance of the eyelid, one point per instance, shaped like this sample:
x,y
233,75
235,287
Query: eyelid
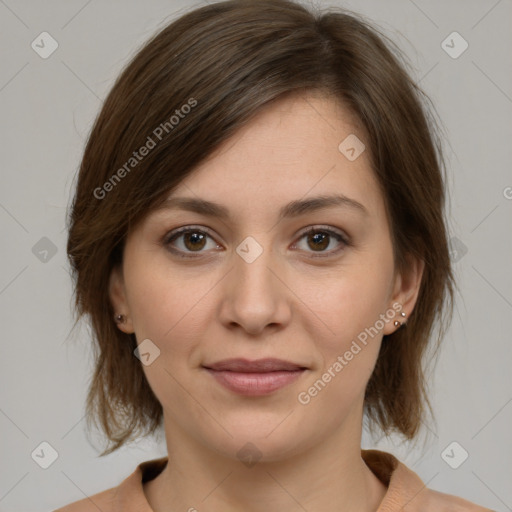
x,y
184,229
325,228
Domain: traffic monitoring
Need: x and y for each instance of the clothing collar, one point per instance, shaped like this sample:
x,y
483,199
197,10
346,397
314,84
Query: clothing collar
x,y
403,484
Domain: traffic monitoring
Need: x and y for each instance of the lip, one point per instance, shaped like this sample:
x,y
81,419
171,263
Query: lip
x,y
268,364
255,378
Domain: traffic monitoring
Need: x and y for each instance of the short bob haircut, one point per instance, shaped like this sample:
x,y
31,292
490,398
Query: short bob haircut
x,y
189,89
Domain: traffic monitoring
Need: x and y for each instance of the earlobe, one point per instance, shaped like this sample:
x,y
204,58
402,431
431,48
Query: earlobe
x,y
405,294
119,302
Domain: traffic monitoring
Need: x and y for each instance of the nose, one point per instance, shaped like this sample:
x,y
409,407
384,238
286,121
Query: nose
x,y
255,296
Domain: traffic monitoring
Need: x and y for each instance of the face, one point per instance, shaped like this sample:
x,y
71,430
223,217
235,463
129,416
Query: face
x,y
278,276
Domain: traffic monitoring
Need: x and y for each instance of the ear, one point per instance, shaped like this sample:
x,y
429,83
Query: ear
x,y
405,291
117,294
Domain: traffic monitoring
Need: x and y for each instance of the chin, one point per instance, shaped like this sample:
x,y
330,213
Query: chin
x,y
257,439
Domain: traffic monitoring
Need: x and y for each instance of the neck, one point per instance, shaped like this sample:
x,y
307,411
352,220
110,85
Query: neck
x,y
329,476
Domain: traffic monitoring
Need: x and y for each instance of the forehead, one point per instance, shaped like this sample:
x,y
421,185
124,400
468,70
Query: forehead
x,y
289,151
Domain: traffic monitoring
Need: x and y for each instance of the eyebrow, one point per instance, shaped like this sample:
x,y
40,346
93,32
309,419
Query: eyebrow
x,y
292,209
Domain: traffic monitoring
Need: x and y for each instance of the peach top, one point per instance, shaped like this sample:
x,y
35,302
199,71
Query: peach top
x,y
406,492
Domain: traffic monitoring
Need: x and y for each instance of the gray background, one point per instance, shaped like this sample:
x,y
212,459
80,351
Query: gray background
x,y
47,107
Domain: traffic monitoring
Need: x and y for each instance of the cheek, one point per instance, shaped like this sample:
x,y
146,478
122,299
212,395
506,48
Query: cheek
x,y
351,303
168,305
350,308
166,308
153,295
350,300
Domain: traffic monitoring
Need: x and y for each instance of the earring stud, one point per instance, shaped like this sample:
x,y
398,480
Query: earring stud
x,y
120,319
397,323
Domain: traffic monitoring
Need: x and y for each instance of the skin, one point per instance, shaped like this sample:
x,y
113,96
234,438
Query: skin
x,y
286,304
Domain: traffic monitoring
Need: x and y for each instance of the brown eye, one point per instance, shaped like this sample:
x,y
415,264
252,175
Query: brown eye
x,y
319,239
188,240
194,240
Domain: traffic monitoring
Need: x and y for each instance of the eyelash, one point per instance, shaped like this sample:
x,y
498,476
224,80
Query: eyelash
x,y
173,235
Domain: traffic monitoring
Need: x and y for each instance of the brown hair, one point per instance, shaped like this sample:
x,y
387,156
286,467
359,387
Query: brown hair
x,y
195,84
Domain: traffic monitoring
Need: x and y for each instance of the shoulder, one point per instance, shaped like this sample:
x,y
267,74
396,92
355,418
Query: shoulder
x,y
430,499
406,492
126,497
103,501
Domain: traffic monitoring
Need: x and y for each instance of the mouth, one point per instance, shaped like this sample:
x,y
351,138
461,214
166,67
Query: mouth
x,y
255,378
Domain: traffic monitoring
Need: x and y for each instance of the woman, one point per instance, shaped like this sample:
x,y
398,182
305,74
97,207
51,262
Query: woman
x,y
258,238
